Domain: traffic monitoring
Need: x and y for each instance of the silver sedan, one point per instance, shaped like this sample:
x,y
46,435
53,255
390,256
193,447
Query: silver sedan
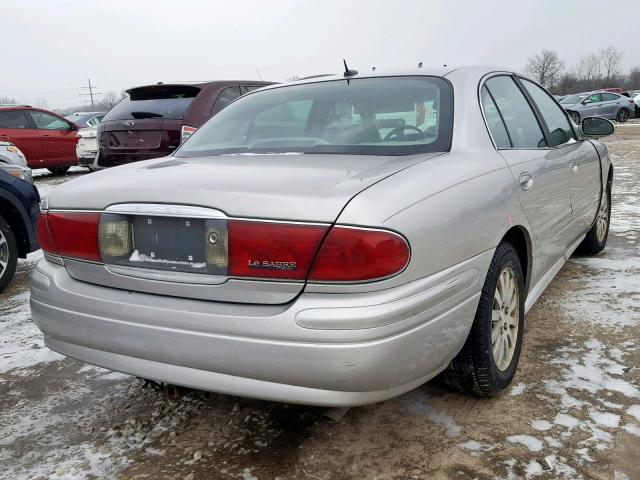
x,y
335,241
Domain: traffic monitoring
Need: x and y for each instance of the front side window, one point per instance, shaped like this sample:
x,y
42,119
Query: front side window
x,y
521,122
45,121
596,97
13,119
494,120
560,130
377,116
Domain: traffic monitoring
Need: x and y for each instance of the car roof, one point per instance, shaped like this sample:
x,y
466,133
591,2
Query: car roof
x,y
200,84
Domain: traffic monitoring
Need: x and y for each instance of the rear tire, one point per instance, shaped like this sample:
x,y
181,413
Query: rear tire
x,y
597,235
623,115
488,360
8,253
59,170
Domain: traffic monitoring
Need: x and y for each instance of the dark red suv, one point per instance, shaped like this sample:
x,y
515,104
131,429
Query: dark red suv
x,y
46,139
154,119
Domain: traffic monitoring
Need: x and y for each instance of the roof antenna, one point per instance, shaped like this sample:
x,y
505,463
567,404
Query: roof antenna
x,y
373,69
348,72
420,65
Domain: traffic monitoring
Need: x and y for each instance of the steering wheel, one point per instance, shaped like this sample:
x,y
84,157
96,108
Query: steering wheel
x,y
398,133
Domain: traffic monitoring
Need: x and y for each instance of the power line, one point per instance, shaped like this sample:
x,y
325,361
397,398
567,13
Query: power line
x,y
91,93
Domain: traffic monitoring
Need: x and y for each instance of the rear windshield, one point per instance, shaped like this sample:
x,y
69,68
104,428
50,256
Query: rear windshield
x,y
375,116
161,101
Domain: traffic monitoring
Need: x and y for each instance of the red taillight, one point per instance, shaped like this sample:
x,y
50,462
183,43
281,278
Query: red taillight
x,y
186,132
44,236
72,234
272,250
357,254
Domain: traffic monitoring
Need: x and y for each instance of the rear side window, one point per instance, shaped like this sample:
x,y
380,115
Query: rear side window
x,y
521,123
13,119
494,120
607,97
225,97
156,101
560,130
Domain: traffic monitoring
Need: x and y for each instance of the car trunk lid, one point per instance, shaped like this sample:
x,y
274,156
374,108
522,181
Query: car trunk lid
x,y
312,189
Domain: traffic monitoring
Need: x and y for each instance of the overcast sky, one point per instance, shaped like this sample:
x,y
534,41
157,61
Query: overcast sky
x,y
51,48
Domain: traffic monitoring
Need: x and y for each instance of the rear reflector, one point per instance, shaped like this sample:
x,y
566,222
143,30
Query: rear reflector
x,y
272,250
186,132
358,254
72,234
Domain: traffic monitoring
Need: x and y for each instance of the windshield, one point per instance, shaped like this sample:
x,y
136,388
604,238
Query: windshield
x,y
377,116
161,101
572,99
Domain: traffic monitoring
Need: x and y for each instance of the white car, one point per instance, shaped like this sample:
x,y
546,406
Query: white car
x,y
87,146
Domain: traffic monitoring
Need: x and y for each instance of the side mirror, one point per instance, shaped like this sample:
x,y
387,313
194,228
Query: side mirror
x,y
585,101
597,127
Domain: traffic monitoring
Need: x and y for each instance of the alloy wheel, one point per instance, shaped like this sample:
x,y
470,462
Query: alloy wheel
x,y
4,253
602,221
505,315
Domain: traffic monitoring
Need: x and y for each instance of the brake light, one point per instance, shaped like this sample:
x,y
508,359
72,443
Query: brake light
x,y
351,254
72,234
242,248
272,250
186,132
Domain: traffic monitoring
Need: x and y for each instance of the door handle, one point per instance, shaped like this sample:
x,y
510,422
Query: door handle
x,y
573,168
526,181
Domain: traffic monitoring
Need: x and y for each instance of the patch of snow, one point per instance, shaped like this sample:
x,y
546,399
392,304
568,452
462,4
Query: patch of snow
x,y
634,411
605,419
533,469
541,425
136,256
517,389
21,344
566,420
532,443
632,429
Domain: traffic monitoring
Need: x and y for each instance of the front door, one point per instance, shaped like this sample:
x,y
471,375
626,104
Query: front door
x,y
542,177
58,139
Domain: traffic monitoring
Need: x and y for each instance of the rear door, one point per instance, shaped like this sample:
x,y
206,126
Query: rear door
x,y
16,128
542,175
58,139
609,106
579,157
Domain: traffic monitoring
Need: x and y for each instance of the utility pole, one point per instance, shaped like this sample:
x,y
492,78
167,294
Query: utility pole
x,y
91,93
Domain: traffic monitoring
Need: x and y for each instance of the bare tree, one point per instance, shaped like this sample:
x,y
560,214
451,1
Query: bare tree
x,y
42,103
589,67
610,58
8,100
293,78
123,95
545,67
109,99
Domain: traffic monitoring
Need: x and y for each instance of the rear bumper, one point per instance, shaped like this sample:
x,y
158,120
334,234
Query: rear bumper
x,y
297,353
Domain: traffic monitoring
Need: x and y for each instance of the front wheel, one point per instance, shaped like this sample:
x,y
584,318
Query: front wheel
x,y
597,235
487,362
623,115
8,253
58,170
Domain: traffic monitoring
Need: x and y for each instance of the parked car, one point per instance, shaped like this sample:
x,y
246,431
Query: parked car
x,y
86,119
19,210
87,146
602,104
46,139
11,155
153,120
336,241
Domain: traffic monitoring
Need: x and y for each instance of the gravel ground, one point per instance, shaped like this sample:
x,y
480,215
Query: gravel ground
x,y
573,411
